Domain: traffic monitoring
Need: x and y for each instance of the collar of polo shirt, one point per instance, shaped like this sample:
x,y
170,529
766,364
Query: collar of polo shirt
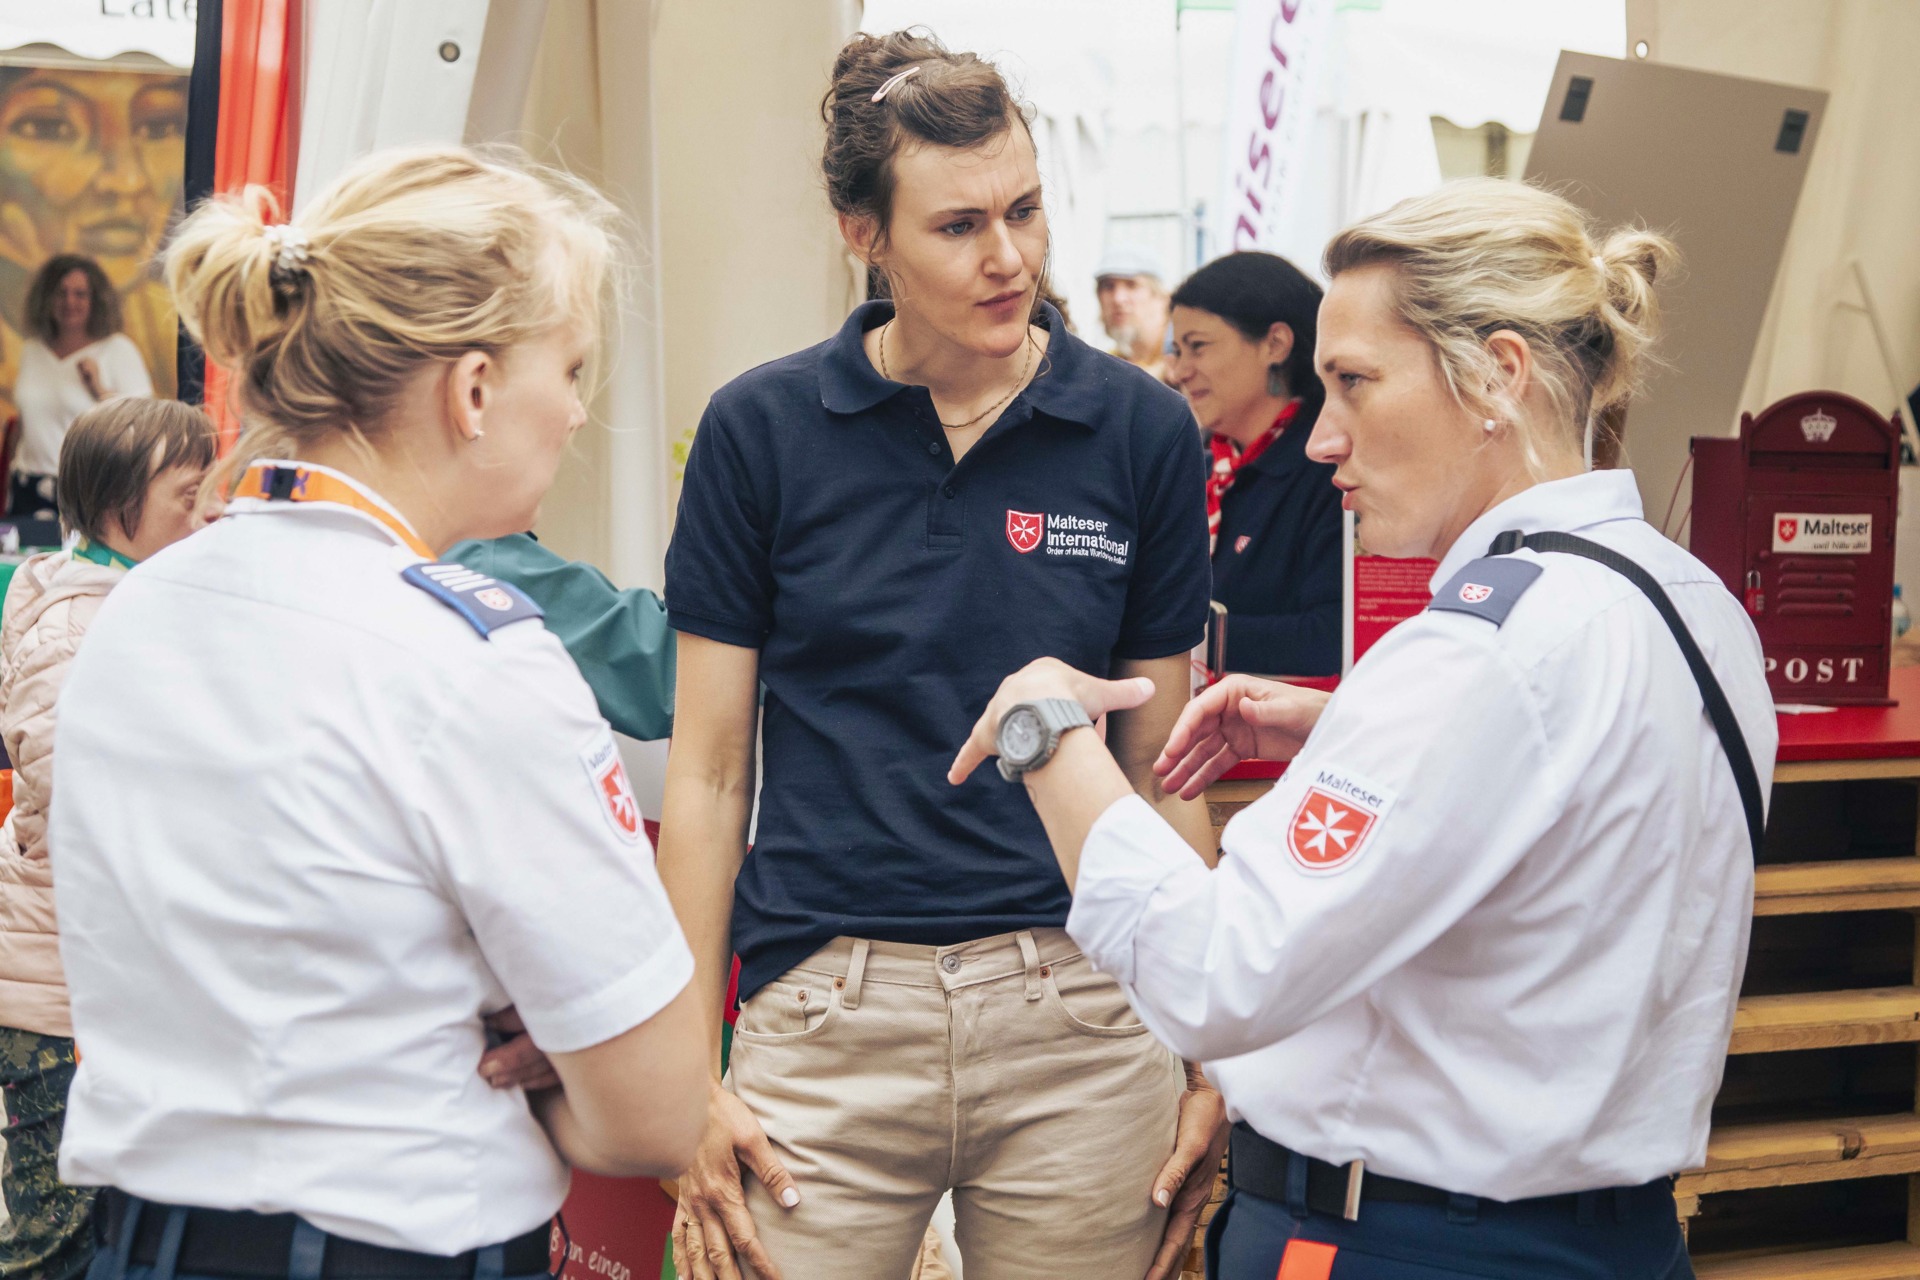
x,y
1067,385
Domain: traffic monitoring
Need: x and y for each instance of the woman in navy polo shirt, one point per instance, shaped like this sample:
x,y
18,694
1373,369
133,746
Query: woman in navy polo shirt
x,y
875,530
1243,330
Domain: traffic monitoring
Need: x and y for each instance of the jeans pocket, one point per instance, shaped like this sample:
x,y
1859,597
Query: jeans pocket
x,y
790,1009
1087,1001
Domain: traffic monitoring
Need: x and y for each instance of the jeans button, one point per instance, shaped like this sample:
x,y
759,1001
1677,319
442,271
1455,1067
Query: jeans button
x,y
950,963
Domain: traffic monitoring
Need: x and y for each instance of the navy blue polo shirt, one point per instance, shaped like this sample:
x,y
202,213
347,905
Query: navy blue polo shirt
x,y
824,521
1277,563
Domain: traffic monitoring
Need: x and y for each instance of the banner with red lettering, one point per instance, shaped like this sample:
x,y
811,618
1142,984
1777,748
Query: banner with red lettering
x,y
1279,54
1381,592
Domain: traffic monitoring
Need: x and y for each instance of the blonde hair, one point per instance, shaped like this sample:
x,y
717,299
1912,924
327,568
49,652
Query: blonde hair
x,y
410,257
1481,255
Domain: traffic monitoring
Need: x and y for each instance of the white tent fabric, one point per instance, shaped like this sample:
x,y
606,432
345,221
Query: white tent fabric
x,y
376,77
102,28
591,109
1398,64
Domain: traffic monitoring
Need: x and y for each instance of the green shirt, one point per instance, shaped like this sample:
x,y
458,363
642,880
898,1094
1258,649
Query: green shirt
x,y
619,639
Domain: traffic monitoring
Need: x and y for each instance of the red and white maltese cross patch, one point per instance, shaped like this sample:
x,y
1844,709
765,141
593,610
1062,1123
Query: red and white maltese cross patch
x,y
611,788
1335,820
1024,529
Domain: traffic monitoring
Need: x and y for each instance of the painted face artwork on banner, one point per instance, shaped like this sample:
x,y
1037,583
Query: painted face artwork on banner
x,y
92,162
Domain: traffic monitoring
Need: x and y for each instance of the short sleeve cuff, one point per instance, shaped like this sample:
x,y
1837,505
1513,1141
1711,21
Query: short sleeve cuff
x,y
739,634
1129,853
1162,644
618,1007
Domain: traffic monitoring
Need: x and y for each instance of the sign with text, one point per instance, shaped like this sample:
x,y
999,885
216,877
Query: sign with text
x,y
103,28
1381,592
1814,534
1278,49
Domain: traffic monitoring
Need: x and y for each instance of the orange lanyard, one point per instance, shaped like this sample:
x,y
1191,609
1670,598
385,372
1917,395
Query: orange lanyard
x,y
291,482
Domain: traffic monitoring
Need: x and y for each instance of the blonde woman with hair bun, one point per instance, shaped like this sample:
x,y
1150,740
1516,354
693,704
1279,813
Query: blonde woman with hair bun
x,y
362,818
1465,976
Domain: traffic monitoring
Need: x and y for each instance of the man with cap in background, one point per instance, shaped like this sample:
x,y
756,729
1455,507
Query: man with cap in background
x,y
1132,287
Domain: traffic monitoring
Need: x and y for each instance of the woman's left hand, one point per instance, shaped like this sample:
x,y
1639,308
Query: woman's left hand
x,y
1188,1177
516,1062
1044,678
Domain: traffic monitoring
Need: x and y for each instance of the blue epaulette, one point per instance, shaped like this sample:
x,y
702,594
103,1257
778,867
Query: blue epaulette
x,y
486,603
1488,588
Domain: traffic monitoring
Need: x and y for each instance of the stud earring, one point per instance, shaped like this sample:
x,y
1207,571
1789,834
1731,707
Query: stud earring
x,y
1490,426
475,437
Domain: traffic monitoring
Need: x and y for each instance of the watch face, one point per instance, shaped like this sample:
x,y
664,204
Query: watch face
x,y
1021,736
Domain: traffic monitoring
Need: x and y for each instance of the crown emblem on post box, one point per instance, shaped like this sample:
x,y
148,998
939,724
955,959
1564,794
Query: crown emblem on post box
x,y
1818,426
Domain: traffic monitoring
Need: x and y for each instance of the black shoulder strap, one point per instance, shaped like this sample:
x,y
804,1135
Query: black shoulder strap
x,y
1719,710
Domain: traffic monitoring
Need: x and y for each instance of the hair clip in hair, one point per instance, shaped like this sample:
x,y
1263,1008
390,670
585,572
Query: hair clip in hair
x,y
879,95
290,249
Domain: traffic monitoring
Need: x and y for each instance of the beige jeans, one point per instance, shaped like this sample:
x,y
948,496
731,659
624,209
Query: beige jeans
x,y
1005,1070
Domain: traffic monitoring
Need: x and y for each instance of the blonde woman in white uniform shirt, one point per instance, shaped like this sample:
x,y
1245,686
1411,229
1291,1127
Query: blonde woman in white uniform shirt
x,y
339,807
1466,975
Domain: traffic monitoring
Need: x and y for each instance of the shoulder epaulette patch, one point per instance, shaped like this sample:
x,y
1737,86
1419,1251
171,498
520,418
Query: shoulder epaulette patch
x,y
486,603
1488,588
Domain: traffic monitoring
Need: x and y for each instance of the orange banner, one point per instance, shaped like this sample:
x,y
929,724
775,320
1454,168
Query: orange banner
x,y
255,142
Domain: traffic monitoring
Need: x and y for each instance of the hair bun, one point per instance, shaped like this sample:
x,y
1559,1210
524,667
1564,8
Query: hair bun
x,y
425,254
220,268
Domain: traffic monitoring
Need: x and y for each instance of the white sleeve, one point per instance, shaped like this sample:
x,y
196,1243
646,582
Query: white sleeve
x,y
124,368
1427,779
540,842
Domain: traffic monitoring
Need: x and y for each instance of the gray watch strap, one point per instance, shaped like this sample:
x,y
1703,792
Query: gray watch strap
x,y
1057,716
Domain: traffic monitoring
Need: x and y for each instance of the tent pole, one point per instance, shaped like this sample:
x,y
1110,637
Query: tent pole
x,y
1187,230
203,119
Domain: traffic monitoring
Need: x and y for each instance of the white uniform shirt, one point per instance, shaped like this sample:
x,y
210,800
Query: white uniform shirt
x,y
1487,932
308,825
49,394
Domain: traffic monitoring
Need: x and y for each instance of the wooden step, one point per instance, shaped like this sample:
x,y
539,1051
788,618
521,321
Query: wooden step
x,y
1864,1262
1826,1019
1740,1157
1854,884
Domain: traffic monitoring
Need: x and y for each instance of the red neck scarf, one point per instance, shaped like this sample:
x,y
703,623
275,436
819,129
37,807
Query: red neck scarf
x,y
1229,457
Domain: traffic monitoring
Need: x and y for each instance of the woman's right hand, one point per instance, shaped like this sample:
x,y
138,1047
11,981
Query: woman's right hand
x,y
711,1226
1240,718
90,377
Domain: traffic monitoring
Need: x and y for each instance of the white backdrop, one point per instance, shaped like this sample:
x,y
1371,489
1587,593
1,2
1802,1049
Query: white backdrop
x,y
101,28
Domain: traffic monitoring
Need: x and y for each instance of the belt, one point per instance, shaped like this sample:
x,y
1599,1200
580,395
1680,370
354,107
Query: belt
x,y
256,1246
1260,1167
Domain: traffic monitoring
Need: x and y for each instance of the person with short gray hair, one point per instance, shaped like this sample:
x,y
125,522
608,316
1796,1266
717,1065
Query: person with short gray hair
x,y
1131,283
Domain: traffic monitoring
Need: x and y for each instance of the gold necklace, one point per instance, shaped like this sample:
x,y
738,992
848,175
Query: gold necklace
x,y
994,408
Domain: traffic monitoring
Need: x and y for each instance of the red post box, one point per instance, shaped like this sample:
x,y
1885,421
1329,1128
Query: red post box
x,y
1796,515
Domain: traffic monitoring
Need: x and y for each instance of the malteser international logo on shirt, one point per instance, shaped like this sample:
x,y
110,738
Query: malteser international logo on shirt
x,y
608,774
1072,536
1335,819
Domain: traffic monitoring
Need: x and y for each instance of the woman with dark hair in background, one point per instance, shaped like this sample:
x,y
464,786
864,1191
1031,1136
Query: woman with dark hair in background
x,y
869,531
1243,335
75,356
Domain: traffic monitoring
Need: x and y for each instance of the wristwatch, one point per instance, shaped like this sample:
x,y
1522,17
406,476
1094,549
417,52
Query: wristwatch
x,y
1030,732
